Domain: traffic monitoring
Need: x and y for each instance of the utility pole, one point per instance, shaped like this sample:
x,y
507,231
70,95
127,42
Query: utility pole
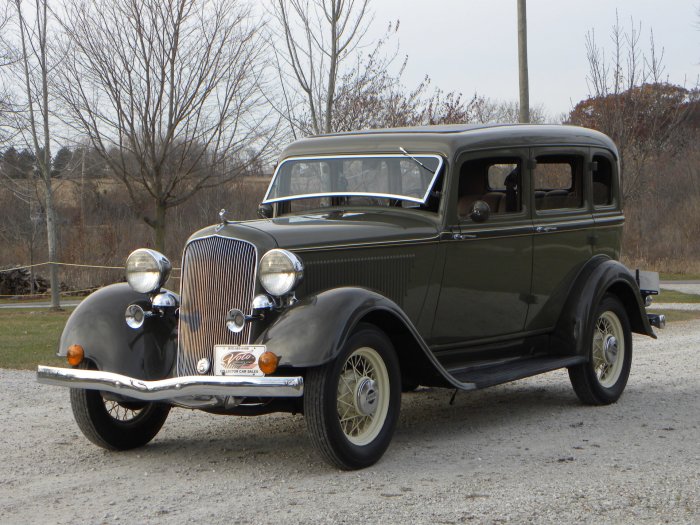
x,y
522,64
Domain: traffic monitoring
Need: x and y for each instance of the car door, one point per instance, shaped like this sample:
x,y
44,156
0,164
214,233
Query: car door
x,y
563,222
487,265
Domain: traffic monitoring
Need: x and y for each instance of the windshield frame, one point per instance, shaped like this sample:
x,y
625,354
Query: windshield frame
x,y
267,200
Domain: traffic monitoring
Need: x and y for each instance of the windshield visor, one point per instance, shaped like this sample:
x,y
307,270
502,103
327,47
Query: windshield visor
x,y
389,176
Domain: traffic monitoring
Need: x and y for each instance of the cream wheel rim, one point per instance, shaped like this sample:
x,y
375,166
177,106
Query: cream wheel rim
x,y
608,349
363,396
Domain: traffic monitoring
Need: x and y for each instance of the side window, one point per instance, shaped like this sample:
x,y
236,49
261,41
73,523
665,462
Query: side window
x,y
558,182
494,180
602,181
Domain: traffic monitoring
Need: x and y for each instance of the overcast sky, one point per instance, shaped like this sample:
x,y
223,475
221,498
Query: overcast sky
x,y
471,45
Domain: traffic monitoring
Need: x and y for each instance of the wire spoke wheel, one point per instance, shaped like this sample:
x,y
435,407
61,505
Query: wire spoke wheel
x,y
351,404
363,396
116,425
603,378
608,349
121,412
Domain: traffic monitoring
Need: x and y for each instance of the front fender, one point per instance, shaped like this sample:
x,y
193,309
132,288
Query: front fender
x,y
98,325
600,276
314,330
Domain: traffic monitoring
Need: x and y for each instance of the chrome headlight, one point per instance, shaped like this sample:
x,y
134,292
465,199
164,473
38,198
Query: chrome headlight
x,y
280,271
147,270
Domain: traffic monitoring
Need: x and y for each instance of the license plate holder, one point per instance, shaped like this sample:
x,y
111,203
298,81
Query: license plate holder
x,y
237,360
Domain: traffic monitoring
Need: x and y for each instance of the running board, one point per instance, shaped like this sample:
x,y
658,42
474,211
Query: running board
x,y
504,372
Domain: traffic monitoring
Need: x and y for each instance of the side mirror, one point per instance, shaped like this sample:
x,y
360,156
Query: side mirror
x,y
265,211
480,211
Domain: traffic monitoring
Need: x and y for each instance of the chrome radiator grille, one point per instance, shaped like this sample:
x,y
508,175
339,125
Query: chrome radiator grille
x,y
218,274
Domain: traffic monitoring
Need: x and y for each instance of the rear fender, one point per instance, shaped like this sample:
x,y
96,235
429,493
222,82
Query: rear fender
x,y
98,325
600,276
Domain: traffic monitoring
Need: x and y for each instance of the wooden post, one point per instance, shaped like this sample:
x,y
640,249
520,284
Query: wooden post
x,y
522,64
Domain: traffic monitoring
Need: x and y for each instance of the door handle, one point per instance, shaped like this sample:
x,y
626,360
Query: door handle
x,y
545,229
462,236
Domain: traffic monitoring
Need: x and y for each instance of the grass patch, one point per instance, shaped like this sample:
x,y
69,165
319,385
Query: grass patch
x,y
672,296
673,316
670,276
29,299
29,337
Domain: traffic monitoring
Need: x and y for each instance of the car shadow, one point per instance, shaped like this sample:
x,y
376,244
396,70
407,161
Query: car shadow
x,y
279,441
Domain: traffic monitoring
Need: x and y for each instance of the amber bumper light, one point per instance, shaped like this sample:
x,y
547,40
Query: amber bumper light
x,y
268,362
75,355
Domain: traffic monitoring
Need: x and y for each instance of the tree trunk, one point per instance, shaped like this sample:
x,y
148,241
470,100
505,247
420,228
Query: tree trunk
x,y
159,226
51,239
42,144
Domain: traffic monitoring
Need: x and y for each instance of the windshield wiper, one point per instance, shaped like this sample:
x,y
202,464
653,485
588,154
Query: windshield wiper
x,y
416,160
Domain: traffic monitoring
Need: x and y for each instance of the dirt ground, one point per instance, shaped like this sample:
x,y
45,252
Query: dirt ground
x,y
521,452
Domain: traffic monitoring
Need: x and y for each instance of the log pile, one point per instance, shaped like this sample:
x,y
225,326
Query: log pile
x,y
19,282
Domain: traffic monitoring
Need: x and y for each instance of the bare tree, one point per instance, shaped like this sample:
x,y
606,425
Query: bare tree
x,y
486,110
632,102
167,92
318,37
6,59
34,115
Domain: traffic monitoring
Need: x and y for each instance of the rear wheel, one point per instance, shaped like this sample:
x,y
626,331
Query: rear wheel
x,y
351,404
116,425
602,379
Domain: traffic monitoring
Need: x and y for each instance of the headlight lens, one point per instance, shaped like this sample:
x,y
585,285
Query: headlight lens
x,y
147,270
280,272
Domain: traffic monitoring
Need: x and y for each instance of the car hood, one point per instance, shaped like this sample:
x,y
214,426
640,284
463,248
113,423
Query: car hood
x,y
330,230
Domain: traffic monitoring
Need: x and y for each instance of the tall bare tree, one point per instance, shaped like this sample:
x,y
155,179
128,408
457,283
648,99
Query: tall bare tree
x,y
630,100
6,60
34,116
317,38
167,91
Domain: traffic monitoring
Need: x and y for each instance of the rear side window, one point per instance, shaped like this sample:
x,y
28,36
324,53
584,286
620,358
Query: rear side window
x,y
558,182
602,181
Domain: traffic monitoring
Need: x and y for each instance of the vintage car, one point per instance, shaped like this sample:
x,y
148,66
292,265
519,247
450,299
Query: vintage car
x,y
452,256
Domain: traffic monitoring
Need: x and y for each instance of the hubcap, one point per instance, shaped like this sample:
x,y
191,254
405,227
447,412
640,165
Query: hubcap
x,y
366,397
610,349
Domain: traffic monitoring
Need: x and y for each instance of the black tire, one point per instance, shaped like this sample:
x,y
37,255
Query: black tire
x,y
112,425
365,381
602,379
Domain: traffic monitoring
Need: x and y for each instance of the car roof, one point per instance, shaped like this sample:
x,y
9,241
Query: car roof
x,y
448,140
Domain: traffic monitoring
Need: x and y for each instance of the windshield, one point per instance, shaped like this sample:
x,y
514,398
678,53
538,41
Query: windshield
x,y
389,176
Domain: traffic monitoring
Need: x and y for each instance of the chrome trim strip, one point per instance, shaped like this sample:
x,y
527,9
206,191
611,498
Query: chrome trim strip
x,y
609,221
173,388
439,158
429,240
564,225
495,230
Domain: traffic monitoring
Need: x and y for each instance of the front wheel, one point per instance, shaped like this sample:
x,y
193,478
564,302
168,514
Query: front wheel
x,y
351,405
601,380
116,425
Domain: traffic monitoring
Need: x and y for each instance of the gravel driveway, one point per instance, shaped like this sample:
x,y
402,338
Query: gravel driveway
x,y
522,452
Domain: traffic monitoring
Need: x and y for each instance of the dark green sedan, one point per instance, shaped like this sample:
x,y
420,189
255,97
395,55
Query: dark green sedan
x,y
454,256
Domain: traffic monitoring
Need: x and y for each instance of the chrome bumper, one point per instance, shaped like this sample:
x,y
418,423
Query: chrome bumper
x,y
173,388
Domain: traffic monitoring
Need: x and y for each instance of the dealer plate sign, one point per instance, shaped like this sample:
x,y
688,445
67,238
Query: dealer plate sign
x,y
237,360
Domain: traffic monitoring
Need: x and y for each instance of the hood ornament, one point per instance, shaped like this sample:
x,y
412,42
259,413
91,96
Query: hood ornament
x,y
222,218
